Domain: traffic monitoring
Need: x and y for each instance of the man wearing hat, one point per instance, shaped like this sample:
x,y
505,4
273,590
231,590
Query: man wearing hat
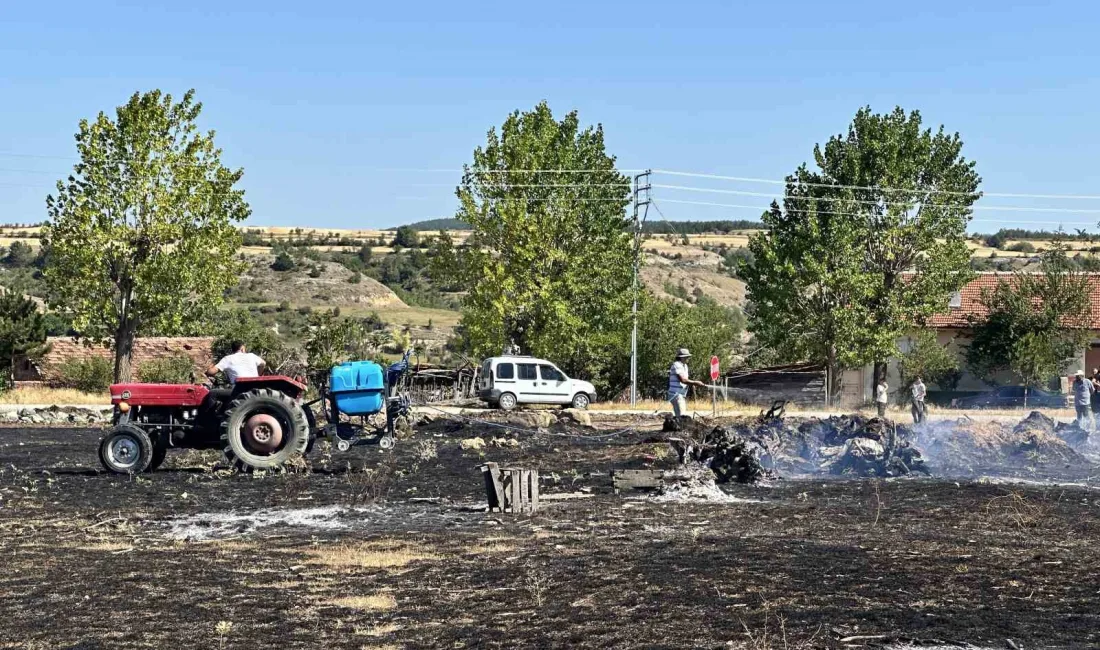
x,y
1082,397
678,382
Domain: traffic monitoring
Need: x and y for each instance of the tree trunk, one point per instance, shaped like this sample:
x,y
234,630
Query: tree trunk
x,y
124,351
832,377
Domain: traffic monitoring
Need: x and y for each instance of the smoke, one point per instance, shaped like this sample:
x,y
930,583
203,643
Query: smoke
x,y
1035,448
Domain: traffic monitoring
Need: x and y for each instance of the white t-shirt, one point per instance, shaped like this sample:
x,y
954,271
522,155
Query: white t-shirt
x,y
880,393
919,391
240,364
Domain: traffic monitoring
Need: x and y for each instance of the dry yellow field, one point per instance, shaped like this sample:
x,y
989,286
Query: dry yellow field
x,y
33,242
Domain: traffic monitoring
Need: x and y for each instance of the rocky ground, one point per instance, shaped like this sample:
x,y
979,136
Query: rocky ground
x,y
391,550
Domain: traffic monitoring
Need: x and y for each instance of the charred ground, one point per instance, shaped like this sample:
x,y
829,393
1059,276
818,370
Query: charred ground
x,y
390,558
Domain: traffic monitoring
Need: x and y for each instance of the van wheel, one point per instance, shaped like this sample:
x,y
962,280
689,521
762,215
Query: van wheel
x,y
507,401
580,401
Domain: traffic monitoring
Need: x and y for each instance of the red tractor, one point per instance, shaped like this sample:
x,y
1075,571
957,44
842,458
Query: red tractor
x,y
258,423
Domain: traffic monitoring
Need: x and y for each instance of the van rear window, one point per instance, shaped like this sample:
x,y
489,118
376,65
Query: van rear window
x,y
506,371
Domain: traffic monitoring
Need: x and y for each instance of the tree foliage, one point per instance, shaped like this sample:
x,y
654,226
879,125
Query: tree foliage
x,y
22,332
19,255
548,265
174,369
664,326
406,237
142,233
1036,323
929,360
333,340
867,246
241,325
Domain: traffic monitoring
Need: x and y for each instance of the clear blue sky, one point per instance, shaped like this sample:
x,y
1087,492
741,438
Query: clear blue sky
x,y
313,98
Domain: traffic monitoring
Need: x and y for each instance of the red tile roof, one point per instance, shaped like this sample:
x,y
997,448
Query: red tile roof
x,y
971,304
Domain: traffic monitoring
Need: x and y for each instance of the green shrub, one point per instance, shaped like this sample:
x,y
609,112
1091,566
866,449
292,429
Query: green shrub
x,y
176,369
90,374
1022,247
284,262
355,278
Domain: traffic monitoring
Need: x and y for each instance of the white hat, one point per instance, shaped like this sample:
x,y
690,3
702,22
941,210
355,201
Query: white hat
x,y
1080,373
683,353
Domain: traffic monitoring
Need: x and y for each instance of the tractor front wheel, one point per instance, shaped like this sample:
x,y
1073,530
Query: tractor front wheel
x,y
263,429
126,449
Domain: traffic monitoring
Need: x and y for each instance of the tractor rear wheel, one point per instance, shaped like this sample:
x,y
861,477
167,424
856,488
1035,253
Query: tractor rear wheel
x,y
126,449
263,429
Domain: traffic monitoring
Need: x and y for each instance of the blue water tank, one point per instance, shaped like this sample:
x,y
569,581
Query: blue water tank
x,y
357,387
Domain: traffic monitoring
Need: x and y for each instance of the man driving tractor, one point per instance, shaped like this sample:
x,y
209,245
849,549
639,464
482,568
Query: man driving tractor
x,y
241,363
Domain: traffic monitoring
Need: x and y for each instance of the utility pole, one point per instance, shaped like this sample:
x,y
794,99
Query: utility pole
x,y
641,198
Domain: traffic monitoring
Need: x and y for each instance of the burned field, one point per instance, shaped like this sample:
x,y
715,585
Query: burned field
x,y
373,549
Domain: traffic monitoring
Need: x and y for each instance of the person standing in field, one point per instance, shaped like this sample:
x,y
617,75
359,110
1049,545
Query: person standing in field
x,y
1083,391
678,381
919,392
1095,379
881,396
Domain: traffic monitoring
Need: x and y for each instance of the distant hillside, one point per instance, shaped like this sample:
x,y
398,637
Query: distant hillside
x,y
440,224
651,227
664,227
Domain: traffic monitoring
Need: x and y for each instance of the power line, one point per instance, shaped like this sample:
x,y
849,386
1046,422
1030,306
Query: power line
x,y
510,185
743,179
1006,208
847,214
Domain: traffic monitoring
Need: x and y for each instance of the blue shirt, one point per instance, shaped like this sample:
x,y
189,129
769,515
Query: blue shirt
x,y
675,386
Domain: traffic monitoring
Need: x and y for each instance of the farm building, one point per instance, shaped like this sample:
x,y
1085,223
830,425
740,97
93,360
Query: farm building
x,y
64,349
952,330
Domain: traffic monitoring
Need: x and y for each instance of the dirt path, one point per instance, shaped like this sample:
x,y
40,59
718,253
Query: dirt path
x,y
349,555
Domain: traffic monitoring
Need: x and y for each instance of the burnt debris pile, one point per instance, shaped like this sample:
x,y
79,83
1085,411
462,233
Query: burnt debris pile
x,y
750,449
732,453
1035,447
855,445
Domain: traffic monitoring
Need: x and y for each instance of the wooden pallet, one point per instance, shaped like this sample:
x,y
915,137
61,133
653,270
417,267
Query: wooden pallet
x,y
511,489
636,479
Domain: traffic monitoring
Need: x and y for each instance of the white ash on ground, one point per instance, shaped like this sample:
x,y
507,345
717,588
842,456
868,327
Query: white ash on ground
x,y
694,482
272,521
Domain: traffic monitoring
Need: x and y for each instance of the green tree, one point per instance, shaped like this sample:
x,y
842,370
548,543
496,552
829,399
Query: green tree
x,y
142,234
283,262
865,248
665,325
20,255
912,192
1036,323
930,361
365,253
808,291
242,325
406,237
333,340
548,264
22,332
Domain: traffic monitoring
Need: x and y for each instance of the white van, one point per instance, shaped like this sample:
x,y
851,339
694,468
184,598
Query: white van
x,y
510,380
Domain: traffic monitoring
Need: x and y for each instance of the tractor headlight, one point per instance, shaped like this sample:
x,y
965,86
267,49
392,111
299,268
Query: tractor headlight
x,y
123,407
